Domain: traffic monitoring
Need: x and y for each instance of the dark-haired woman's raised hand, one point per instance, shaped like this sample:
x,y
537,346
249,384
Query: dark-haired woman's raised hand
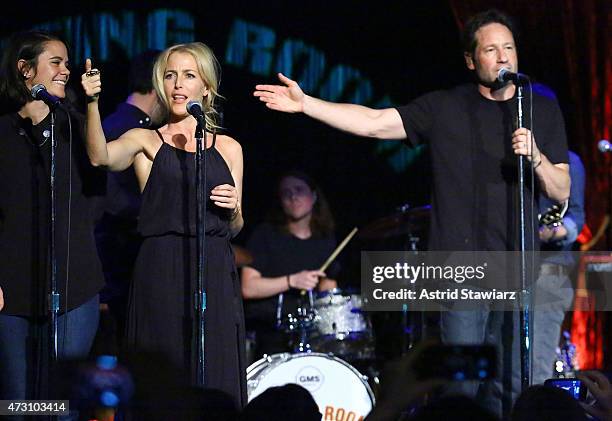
x,y
91,81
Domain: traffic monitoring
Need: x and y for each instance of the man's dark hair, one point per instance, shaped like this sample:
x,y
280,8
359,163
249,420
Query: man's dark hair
x,y
481,19
141,72
27,46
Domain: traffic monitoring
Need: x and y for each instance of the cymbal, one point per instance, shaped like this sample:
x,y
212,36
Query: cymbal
x,y
243,256
404,222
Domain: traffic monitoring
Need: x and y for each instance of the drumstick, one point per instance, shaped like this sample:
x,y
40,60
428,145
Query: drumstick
x,y
336,252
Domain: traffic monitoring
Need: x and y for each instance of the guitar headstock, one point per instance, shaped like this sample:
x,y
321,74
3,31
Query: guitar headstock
x,y
553,217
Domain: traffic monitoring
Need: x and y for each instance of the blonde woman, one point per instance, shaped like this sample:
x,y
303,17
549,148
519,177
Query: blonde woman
x,y
160,313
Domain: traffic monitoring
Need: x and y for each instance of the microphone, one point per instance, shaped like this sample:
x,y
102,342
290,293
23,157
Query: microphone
x,y
195,109
604,146
40,93
506,75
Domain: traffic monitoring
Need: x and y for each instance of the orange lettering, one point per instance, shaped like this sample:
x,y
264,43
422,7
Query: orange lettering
x,y
329,413
340,414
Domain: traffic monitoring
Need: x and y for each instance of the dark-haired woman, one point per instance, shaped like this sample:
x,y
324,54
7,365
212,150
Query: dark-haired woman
x,y
287,254
32,58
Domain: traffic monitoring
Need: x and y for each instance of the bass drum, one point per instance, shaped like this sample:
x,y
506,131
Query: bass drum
x,y
340,391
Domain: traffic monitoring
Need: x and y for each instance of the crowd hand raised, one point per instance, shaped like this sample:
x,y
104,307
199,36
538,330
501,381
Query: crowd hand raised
x,y
522,140
1,299
401,386
225,196
288,98
91,81
306,279
600,388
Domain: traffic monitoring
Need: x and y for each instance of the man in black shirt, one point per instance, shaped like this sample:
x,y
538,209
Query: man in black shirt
x,y
472,134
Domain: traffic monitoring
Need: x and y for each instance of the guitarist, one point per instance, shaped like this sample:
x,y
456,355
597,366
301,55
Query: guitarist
x,y
554,294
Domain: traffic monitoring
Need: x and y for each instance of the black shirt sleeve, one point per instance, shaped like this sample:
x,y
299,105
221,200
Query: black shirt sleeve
x,y
549,131
418,118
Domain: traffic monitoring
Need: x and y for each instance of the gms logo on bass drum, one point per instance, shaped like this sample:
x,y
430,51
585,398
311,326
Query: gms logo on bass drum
x,y
310,377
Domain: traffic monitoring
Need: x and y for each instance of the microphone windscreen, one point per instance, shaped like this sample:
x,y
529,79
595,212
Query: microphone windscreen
x,y
37,89
194,106
501,74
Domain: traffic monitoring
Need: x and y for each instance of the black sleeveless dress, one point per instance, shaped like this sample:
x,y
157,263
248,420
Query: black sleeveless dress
x,y
160,313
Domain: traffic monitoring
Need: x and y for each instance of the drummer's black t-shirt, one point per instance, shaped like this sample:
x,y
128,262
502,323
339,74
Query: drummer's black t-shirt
x,y
278,253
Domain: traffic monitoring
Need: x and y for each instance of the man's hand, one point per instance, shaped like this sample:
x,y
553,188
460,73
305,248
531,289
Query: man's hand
x,y
522,140
288,98
552,234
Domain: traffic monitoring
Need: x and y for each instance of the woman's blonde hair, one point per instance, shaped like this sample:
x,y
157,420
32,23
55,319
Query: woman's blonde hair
x,y
208,68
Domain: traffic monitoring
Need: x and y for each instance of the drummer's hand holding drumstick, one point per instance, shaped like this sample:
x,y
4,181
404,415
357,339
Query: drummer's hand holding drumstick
x,y
306,279
328,283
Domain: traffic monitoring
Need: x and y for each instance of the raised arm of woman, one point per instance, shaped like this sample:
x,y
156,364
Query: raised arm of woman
x,y
118,154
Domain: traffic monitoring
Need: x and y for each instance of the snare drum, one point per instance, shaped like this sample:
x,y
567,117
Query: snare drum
x,y
340,326
339,390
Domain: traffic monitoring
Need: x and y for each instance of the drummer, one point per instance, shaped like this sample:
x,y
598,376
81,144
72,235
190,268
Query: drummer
x,y
288,251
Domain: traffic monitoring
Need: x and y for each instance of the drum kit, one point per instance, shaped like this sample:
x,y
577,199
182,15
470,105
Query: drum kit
x,y
334,324
332,336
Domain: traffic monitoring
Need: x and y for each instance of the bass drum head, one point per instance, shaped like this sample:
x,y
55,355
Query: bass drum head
x,y
339,390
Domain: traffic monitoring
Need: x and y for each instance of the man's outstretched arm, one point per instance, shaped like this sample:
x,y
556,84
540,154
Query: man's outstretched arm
x,y
351,118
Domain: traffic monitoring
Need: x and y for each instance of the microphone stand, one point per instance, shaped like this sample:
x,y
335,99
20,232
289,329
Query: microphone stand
x,y
54,296
525,321
200,294
609,234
